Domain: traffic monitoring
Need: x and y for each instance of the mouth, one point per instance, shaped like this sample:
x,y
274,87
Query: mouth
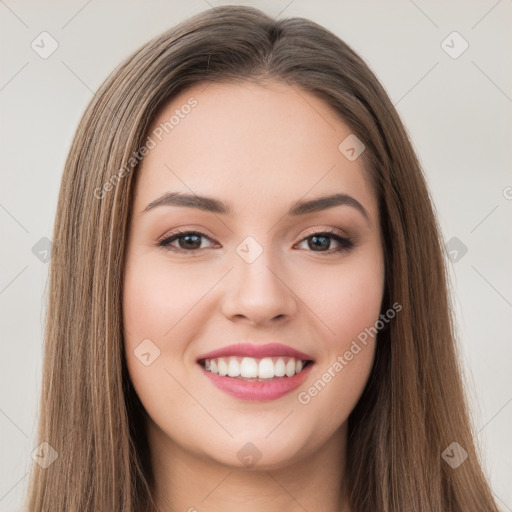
x,y
255,372
256,380
250,369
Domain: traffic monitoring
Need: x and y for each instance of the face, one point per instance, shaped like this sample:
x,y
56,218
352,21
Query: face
x,y
228,250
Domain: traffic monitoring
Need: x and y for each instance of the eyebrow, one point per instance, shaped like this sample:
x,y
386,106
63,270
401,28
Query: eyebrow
x,y
300,207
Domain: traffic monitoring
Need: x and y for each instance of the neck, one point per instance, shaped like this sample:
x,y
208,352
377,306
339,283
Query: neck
x,y
184,481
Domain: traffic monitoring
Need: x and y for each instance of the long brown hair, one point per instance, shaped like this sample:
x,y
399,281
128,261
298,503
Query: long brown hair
x,y
413,406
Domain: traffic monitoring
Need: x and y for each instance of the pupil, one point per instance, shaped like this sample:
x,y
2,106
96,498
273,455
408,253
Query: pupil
x,y
321,242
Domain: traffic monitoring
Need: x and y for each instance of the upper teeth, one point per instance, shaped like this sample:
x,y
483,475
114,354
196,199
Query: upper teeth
x,y
265,368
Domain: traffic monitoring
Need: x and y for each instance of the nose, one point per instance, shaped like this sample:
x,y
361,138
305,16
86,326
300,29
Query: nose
x,y
258,294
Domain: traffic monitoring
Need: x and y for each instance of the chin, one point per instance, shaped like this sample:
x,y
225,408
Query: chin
x,y
258,454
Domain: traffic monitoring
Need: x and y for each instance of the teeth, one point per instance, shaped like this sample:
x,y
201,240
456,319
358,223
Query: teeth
x,y
290,368
233,367
266,368
248,367
280,368
223,367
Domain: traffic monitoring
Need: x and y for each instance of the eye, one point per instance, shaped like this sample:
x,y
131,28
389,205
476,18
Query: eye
x,y
191,242
322,242
188,242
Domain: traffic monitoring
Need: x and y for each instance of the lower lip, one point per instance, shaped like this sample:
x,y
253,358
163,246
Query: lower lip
x,y
258,391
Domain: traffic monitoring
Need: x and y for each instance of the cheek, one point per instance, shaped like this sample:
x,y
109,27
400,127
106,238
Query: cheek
x,y
150,309
351,297
350,306
351,309
154,300
162,310
157,297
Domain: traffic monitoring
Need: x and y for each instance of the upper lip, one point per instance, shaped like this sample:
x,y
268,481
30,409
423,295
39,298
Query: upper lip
x,y
256,351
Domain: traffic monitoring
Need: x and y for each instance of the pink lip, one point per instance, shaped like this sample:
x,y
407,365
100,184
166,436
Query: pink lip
x,y
257,351
258,391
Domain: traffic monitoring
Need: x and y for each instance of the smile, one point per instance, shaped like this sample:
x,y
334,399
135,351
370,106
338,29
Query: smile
x,y
253,369
256,372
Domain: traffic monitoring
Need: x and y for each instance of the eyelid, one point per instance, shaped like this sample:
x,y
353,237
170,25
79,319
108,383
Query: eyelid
x,y
185,231
315,230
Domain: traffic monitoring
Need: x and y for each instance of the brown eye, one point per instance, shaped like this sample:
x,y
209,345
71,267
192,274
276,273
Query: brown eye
x,y
187,242
322,242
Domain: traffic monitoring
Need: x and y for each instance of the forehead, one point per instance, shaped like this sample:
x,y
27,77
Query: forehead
x,y
247,141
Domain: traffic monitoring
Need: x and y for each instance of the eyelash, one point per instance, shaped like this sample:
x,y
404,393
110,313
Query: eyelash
x,y
346,244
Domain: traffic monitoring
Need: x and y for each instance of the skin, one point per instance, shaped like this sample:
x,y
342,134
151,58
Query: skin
x,y
259,149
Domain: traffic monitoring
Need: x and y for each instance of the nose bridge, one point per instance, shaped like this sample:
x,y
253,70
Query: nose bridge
x,y
257,290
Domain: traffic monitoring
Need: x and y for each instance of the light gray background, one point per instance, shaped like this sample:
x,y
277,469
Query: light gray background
x,y
457,111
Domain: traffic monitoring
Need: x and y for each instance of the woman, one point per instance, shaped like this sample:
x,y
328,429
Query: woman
x,y
248,299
